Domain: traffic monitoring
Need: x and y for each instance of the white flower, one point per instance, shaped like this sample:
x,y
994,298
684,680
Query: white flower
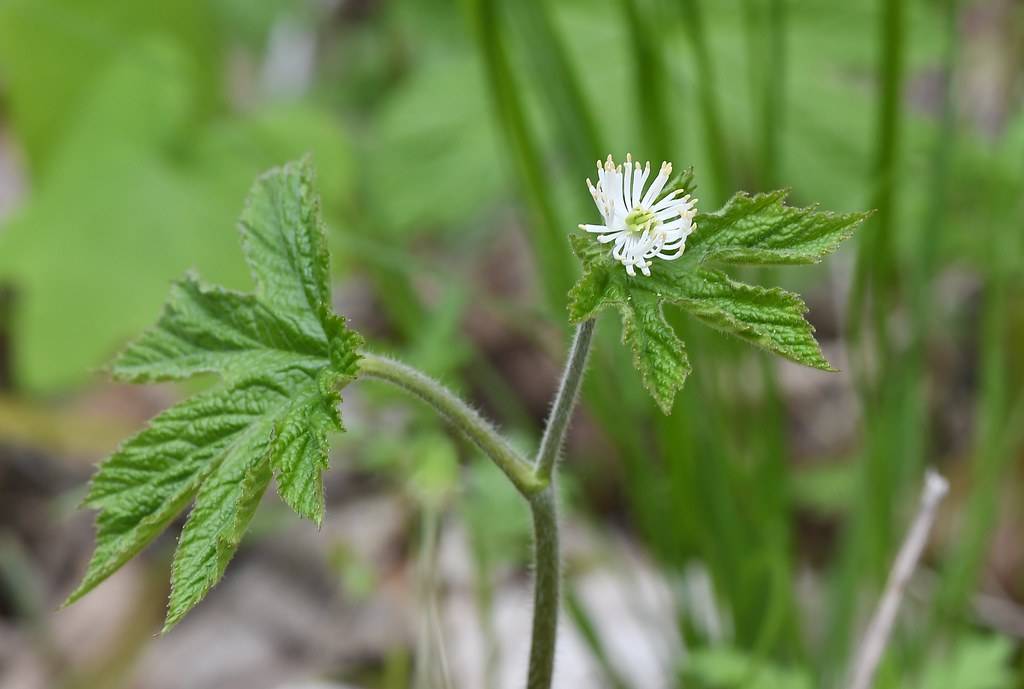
x,y
641,225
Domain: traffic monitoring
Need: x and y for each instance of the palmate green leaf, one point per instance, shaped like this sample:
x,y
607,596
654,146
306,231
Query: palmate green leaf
x,y
282,357
749,229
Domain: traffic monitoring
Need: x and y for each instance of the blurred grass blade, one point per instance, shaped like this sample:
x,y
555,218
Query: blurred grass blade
x,y
692,20
548,230
558,81
651,82
875,273
767,73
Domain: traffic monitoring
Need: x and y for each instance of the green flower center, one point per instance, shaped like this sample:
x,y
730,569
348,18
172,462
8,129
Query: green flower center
x,y
640,219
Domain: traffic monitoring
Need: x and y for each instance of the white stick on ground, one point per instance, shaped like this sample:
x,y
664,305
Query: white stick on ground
x,y
877,635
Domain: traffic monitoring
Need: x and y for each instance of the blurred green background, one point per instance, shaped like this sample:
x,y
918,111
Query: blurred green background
x,y
739,542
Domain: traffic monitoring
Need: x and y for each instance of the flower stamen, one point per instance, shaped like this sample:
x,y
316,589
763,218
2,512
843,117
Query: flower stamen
x,y
640,220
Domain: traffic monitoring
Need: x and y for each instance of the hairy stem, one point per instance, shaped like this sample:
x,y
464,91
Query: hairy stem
x,y
565,401
546,584
459,414
544,506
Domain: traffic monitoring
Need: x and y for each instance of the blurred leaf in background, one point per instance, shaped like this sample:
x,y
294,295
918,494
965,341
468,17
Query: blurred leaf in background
x,y
729,668
134,192
976,663
52,50
434,162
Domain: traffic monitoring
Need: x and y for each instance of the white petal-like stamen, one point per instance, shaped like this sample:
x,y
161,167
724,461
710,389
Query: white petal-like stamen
x,y
640,225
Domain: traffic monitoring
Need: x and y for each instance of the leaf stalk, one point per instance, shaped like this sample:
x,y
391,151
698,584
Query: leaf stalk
x,y
463,417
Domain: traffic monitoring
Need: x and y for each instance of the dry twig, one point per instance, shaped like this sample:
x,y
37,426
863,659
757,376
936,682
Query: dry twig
x,y
877,635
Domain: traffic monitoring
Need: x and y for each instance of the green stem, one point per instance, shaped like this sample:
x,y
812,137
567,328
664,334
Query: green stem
x,y
459,414
565,401
546,584
544,506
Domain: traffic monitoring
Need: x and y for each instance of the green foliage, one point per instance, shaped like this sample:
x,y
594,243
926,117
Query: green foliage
x,y
499,529
450,142
728,668
149,201
975,663
434,478
754,230
282,357
51,51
